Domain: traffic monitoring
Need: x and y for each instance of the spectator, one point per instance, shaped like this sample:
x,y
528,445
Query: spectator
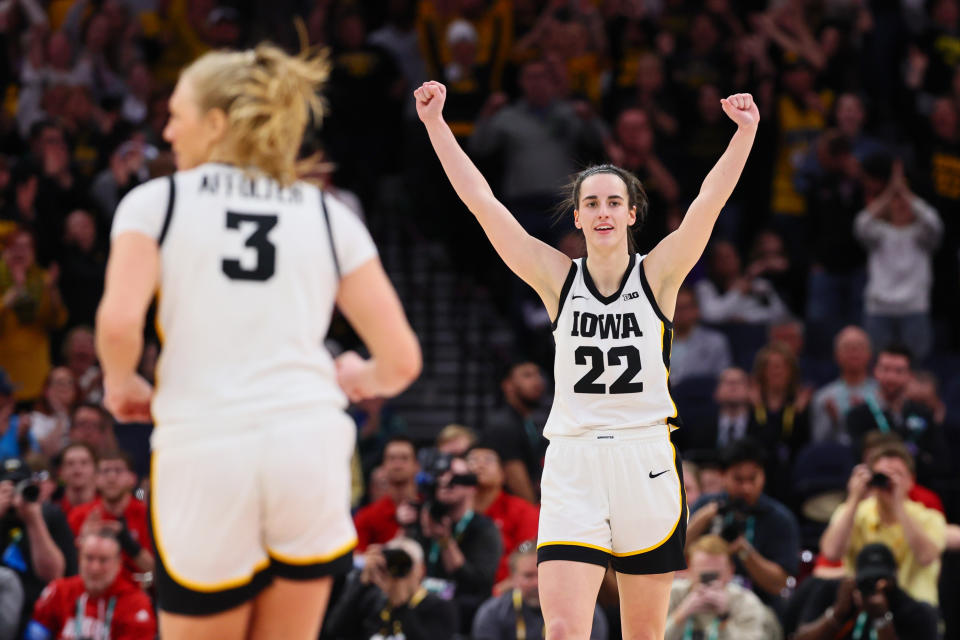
x,y
516,613
30,307
900,232
455,440
91,425
84,264
696,351
831,403
832,184
769,260
100,602
467,81
117,510
15,426
892,411
706,601
734,416
516,518
80,356
11,604
387,599
924,389
877,441
872,599
78,473
462,547
538,136
647,90
125,170
50,421
780,413
763,535
514,434
877,510
728,295
381,520
36,539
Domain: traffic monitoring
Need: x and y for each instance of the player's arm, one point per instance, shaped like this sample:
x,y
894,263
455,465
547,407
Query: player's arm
x,y
132,275
535,262
673,258
372,307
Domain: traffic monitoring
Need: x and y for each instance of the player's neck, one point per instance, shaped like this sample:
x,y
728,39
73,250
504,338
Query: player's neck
x,y
485,497
80,495
607,268
403,492
118,506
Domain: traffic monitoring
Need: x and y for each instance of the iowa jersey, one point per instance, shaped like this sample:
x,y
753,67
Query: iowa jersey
x,y
249,273
612,356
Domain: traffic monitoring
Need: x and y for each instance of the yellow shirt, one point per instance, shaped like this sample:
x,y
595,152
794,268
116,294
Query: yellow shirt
x,y
799,127
917,580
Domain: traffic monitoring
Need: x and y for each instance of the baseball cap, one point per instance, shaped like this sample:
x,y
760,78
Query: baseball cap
x,y
875,561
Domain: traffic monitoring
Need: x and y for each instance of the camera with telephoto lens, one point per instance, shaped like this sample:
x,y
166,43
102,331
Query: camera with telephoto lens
x,y
399,562
25,483
428,481
734,514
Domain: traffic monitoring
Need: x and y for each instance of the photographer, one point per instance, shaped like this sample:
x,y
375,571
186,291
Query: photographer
x,y
763,535
706,601
385,600
99,602
516,613
870,605
462,547
877,509
35,538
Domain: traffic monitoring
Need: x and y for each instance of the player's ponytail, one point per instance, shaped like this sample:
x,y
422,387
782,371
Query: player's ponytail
x,y
268,97
636,196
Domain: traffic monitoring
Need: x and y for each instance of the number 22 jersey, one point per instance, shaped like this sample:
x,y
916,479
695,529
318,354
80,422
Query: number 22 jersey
x,y
249,273
612,356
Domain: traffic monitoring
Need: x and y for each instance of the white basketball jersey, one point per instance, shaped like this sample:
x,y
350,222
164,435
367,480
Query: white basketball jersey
x,y
249,273
612,358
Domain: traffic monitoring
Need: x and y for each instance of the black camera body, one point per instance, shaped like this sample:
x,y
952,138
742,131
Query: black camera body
x,y
428,483
734,514
879,480
399,562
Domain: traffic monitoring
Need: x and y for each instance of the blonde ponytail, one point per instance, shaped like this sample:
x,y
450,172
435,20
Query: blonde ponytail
x,y
268,97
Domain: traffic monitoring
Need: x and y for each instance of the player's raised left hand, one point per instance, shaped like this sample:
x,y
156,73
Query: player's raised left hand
x,y
741,108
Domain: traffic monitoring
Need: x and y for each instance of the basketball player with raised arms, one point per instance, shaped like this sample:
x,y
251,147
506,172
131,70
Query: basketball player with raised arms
x,y
612,490
250,472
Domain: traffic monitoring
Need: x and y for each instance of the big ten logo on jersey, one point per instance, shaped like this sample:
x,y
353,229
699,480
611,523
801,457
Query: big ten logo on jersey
x,y
633,295
608,325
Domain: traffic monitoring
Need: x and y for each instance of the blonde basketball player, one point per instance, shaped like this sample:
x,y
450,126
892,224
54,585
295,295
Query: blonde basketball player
x,y
250,472
612,490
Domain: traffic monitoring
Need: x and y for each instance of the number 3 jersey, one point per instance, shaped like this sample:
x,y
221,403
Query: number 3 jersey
x,y
249,273
612,356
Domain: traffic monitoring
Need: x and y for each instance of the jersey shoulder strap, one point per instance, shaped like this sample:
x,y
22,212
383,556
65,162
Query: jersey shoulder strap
x,y
565,291
168,216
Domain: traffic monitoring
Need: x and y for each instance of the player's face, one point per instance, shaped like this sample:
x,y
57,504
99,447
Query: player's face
x,y
525,577
189,132
99,563
604,211
78,469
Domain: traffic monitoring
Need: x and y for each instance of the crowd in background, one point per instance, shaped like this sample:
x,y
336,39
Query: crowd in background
x,y
816,347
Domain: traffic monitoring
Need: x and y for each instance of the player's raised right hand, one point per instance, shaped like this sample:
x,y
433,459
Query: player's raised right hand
x,y
430,97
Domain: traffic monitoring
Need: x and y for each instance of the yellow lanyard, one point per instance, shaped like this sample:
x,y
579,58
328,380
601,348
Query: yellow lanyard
x,y
386,613
789,413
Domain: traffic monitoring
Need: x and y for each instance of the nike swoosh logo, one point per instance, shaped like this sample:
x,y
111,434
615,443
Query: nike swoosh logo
x,y
654,475
575,297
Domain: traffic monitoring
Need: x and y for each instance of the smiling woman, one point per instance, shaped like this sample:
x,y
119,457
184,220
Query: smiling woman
x,y
612,487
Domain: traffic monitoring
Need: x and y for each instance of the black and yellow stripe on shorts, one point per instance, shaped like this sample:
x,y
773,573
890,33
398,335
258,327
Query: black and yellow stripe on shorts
x,y
662,557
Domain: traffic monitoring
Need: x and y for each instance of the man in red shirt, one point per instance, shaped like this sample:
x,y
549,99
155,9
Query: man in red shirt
x,y
380,521
116,509
516,518
98,603
78,472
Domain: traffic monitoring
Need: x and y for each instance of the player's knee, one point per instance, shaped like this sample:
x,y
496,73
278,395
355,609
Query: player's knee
x,y
647,633
564,629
